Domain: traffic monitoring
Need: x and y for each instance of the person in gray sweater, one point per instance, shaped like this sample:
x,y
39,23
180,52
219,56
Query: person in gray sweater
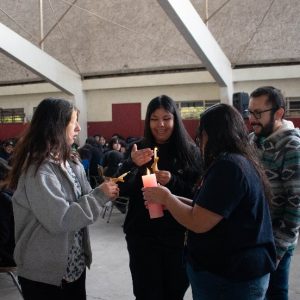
x,y
53,204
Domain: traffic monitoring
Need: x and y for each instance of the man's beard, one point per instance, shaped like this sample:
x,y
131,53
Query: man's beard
x,y
267,129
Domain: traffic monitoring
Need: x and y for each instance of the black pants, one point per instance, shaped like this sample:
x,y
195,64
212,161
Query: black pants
x,y
34,290
157,268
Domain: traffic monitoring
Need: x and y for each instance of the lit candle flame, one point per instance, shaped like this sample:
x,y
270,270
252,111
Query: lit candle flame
x,y
155,152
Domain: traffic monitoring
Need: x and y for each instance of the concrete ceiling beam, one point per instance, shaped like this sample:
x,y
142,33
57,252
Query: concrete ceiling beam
x,y
45,66
189,23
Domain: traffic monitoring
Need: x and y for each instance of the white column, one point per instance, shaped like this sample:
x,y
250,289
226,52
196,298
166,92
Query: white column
x,y
44,65
197,35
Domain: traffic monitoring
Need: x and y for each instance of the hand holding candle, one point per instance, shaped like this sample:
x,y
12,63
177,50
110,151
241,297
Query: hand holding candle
x,y
159,194
155,210
155,160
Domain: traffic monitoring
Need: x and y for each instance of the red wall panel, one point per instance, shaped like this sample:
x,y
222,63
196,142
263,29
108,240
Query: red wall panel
x,y
296,121
11,130
191,127
126,121
107,129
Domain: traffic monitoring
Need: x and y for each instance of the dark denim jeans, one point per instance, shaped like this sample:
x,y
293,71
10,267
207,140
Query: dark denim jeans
x,y
208,286
279,279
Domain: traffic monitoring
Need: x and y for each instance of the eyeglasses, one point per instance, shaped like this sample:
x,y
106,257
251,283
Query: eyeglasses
x,y
257,114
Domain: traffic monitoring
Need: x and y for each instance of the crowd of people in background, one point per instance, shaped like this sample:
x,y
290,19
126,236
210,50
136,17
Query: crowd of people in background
x,y
106,153
7,149
234,199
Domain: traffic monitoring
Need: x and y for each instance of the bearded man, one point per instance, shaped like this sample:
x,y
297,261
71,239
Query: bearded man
x,y
278,145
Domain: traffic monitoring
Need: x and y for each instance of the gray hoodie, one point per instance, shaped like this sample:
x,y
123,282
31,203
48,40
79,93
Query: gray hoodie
x,y
47,213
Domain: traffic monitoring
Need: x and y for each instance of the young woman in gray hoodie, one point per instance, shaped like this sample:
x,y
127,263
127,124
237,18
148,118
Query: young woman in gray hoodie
x,y
53,205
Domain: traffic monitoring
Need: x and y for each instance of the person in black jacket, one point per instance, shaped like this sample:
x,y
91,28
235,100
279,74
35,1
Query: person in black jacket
x,y
113,157
111,162
7,240
155,246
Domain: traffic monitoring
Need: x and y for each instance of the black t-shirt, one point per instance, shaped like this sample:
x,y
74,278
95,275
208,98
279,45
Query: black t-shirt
x,y
241,246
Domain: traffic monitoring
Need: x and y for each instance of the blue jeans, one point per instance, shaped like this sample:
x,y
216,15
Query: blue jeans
x,y
208,286
279,279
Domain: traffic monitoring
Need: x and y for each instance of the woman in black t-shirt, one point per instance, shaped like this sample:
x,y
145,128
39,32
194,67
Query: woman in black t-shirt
x,y
230,245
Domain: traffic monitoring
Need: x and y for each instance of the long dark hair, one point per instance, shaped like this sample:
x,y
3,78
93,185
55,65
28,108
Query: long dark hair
x,y
44,137
227,132
180,139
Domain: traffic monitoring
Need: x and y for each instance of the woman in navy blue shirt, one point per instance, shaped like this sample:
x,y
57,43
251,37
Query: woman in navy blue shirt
x,y
230,246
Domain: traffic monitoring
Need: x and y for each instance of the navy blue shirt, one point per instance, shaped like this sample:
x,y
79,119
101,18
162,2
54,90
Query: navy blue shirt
x,y
241,246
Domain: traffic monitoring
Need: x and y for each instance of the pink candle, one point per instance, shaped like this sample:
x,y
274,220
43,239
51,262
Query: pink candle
x,y
155,209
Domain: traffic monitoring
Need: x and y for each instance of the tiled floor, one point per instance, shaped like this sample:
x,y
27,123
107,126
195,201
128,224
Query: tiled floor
x,y
109,277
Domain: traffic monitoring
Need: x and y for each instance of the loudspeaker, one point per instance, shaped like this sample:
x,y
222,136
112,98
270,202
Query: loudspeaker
x,y
240,102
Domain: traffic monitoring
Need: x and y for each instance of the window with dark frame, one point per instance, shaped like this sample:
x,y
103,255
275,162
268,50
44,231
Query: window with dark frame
x,y
12,115
293,106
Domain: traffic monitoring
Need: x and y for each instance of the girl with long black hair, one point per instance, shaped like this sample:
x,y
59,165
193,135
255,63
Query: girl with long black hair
x,y
155,246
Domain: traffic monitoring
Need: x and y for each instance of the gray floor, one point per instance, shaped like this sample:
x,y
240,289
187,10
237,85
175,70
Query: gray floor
x,y
109,277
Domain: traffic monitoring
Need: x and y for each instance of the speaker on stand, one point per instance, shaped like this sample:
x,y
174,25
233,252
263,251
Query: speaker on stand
x,y
241,101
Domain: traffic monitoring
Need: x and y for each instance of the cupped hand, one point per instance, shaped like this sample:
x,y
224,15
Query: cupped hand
x,y
163,177
142,156
110,189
